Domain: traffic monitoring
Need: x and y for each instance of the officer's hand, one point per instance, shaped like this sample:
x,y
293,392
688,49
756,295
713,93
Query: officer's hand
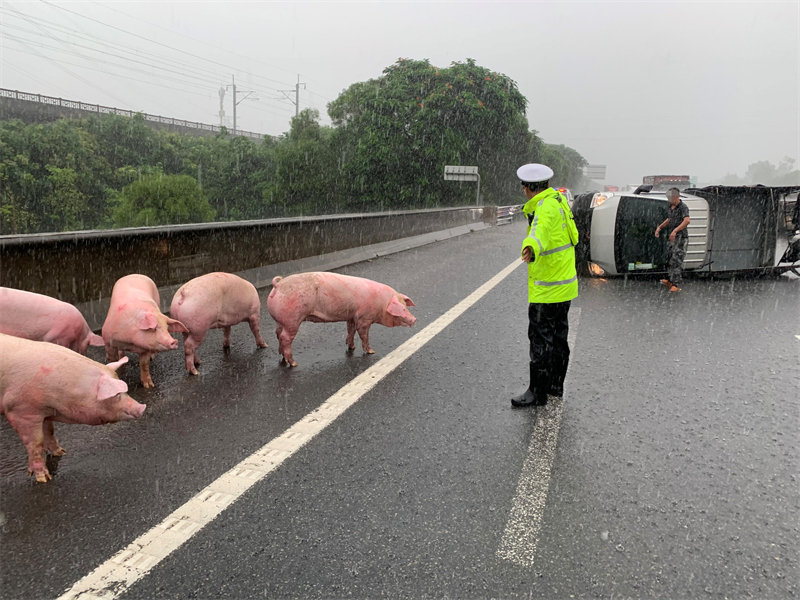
x,y
658,232
526,254
672,237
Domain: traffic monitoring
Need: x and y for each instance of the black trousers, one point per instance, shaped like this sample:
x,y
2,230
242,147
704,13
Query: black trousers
x,y
548,326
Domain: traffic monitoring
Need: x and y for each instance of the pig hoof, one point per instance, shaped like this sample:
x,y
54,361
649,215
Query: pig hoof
x,y
263,345
41,476
148,384
58,451
194,372
370,351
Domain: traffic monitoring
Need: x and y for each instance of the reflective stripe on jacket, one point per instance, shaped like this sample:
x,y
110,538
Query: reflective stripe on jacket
x,y
552,236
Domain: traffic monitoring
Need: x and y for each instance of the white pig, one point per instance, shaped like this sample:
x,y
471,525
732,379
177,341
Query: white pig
x,y
41,383
215,301
135,323
44,319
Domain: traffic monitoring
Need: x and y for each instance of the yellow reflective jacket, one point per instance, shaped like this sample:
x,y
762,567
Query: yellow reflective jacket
x,y
552,237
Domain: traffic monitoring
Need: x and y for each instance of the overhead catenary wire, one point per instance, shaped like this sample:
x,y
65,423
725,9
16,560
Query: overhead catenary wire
x,y
192,72
171,31
207,82
160,43
142,54
86,81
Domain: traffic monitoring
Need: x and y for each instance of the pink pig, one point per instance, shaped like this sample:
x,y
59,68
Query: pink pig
x,y
215,301
44,319
330,297
135,323
41,383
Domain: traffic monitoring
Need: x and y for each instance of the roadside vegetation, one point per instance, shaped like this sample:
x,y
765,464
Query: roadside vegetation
x,y
390,139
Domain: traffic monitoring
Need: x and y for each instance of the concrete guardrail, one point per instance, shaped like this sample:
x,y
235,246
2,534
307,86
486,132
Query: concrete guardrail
x,y
81,267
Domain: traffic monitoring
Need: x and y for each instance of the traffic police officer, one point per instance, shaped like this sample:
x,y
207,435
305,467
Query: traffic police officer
x,y
549,250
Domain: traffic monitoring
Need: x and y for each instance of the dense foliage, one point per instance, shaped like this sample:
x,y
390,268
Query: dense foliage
x,y
390,140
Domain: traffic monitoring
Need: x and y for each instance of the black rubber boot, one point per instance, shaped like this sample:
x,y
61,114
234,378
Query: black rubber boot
x,y
542,387
528,398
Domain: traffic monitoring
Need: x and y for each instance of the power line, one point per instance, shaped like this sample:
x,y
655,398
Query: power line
x,y
126,77
33,77
121,47
171,31
206,81
87,82
155,42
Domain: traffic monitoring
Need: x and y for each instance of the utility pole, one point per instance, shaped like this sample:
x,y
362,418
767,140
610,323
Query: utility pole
x,y
296,95
236,102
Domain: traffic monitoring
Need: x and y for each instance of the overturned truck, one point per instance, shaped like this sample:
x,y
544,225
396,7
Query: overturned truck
x,y
733,228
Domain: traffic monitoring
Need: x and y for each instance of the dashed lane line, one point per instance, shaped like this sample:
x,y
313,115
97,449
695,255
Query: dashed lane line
x,y
112,578
521,536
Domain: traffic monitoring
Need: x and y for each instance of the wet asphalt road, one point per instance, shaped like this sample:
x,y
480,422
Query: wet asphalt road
x,y
675,475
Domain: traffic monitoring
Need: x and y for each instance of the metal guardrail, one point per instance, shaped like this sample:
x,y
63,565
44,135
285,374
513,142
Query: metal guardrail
x,y
505,214
109,110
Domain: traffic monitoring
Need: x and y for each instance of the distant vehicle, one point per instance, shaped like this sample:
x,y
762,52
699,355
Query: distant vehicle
x,y
611,188
733,228
566,193
662,183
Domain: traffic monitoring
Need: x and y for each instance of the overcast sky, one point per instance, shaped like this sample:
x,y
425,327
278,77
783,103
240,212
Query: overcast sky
x,y
697,88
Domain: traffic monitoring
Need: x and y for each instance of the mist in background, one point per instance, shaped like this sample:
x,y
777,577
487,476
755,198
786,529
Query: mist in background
x,y
702,89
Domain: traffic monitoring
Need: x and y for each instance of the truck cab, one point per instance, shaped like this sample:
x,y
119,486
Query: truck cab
x,y
622,233
732,228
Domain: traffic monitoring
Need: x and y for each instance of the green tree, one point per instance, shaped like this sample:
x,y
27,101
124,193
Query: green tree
x,y
162,200
53,177
396,133
307,177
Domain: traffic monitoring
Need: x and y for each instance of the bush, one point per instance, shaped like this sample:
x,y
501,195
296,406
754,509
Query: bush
x,y
162,200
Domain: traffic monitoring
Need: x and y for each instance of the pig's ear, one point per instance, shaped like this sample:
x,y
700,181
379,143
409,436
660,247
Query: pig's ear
x,y
174,326
116,365
395,308
148,321
110,387
95,340
409,301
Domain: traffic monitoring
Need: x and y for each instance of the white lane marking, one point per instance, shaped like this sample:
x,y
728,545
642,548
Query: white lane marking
x,y
116,575
521,536
797,336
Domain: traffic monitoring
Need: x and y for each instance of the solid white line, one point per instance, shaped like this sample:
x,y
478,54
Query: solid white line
x,y
521,536
116,575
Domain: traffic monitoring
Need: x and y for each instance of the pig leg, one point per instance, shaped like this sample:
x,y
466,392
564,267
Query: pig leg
x,y
144,369
363,333
31,432
226,339
255,327
285,336
351,336
191,342
50,442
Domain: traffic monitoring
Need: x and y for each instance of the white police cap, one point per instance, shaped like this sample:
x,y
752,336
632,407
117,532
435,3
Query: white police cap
x,y
534,173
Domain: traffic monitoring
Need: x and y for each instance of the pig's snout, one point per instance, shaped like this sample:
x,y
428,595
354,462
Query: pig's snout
x,y
411,319
132,410
167,342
